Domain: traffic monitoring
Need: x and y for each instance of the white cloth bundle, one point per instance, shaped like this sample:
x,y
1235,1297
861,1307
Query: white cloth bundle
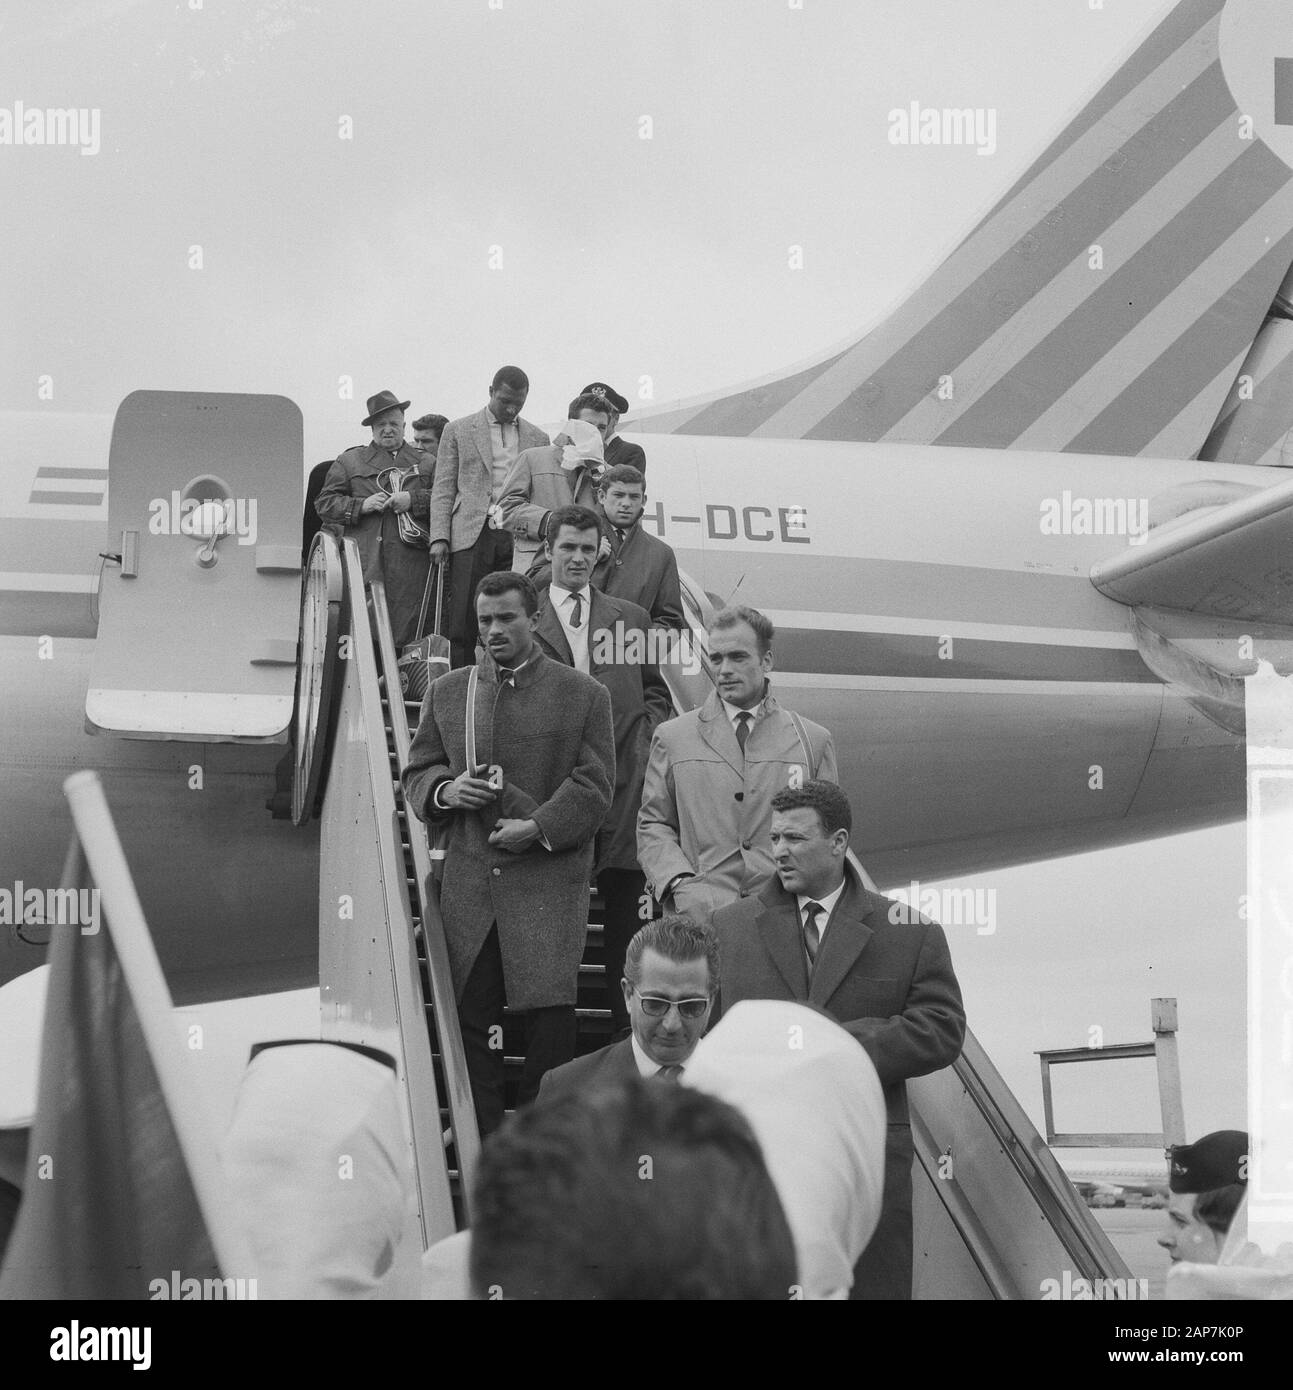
x,y
814,1101
321,1174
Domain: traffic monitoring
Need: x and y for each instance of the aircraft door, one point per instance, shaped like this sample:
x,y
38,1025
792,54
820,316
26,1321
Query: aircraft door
x,y
197,625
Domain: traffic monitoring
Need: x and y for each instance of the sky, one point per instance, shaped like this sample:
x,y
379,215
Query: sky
x,y
324,200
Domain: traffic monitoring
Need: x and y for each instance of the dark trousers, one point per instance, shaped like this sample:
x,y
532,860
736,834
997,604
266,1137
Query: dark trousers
x,y
622,891
549,1037
884,1270
492,551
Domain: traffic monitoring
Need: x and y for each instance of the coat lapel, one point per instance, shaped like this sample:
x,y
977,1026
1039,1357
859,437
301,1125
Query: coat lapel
x,y
717,731
846,935
778,928
485,445
552,635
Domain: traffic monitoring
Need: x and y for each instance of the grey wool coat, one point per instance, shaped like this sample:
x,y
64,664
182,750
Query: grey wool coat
x,y
552,736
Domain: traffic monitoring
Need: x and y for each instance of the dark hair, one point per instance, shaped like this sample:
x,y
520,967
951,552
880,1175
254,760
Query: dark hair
x,y
581,518
1216,1209
676,938
431,422
637,1190
622,473
509,376
739,613
588,401
831,805
506,582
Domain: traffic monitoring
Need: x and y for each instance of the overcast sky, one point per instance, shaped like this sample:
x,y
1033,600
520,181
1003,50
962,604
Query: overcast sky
x,y
496,202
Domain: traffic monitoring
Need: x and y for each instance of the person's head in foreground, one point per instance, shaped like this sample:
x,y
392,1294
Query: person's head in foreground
x,y
1208,1180
638,1190
813,1099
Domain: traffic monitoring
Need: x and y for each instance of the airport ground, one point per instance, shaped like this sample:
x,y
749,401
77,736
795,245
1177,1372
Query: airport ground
x,y
1134,1232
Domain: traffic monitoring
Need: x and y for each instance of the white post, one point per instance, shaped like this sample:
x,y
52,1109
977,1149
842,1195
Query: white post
x,y
152,1001
1269,705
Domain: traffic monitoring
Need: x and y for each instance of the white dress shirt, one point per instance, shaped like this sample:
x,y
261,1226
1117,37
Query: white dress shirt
x,y
734,710
563,605
503,441
828,902
648,1066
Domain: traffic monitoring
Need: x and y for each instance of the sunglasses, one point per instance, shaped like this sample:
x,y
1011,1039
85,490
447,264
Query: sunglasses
x,y
656,1007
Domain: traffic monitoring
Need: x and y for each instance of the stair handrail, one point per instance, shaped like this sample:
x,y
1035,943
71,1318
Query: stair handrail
x,y
463,1131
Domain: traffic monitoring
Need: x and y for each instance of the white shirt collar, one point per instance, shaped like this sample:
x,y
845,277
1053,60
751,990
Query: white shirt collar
x,y
569,593
647,1066
827,902
734,710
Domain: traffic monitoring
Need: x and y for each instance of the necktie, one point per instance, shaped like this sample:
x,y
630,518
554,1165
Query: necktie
x,y
670,1073
812,933
743,721
576,612
619,534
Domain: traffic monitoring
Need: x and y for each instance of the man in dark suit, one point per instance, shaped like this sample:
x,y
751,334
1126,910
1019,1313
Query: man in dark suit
x,y
670,980
524,785
881,970
609,639
471,464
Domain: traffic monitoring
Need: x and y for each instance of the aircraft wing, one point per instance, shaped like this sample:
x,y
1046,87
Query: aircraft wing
x,y
1232,561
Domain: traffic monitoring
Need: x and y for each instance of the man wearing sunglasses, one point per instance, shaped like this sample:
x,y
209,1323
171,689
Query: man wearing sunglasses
x,y
670,980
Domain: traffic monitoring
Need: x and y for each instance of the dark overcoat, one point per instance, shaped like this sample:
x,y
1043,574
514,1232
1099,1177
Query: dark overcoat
x,y
403,568
551,734
640,700
643,569
885,974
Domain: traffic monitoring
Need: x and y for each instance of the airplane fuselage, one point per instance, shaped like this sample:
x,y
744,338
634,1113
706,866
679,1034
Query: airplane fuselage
x,y
933,609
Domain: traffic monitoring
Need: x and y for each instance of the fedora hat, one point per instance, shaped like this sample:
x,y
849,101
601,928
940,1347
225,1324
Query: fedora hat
x,y
381,403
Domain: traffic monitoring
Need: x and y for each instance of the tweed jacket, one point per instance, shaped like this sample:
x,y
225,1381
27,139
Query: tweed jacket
x,y
707,811
550,733
464,477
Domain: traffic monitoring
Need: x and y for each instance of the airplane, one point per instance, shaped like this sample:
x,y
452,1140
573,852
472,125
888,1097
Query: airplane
x,y
1111,1183
1021,541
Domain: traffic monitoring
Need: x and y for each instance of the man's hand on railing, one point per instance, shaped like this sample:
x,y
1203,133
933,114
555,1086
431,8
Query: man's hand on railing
x,y
514,835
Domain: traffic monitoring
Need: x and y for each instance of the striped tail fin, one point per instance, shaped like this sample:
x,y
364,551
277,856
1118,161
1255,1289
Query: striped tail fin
x,y
1107,302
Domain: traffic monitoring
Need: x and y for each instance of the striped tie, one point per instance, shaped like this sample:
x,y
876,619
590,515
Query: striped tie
x,y
670,1073
812,934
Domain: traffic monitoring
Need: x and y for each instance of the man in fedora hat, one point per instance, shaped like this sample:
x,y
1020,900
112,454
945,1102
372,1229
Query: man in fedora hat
x,y
616,450
355,498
